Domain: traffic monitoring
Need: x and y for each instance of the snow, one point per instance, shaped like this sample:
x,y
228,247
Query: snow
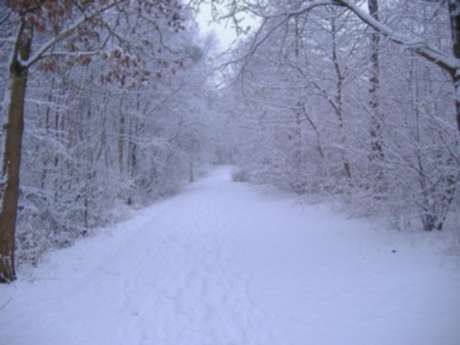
x,y
227,263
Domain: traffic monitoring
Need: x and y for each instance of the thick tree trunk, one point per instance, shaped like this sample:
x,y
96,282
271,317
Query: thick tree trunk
x,y
454,13
13,127
376,155
439,211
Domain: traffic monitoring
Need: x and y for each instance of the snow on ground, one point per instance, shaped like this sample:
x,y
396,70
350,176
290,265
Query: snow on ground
x,y
224,264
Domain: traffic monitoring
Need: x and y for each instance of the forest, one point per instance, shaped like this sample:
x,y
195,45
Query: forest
x,y
114,104
230,172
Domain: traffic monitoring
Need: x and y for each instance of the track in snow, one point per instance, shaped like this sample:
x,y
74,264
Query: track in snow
x,y
223,264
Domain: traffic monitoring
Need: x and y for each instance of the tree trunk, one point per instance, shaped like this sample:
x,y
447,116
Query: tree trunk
x,y
338,108
451,179
454,13
319,146
47,131
13,128
134,125
121,138
376,155
191,170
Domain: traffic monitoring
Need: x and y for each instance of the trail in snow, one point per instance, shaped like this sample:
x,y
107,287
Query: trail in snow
x,y
223,264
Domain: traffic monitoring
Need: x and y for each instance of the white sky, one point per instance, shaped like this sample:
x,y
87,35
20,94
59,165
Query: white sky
x,y
223,30
224,33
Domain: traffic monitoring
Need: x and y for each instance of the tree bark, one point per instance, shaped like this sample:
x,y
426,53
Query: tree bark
x,y
121,138
338,108
454,14
376,155
14,127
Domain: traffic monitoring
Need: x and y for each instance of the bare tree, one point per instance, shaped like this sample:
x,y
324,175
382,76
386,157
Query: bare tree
x,y
46,31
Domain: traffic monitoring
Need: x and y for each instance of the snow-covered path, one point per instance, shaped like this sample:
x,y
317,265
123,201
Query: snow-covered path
x,y
225,264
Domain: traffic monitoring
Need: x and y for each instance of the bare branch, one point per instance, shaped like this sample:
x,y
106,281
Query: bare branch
x,y
66,32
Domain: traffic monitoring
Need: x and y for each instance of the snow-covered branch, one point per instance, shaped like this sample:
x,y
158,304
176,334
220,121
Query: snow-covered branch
x,y
67,32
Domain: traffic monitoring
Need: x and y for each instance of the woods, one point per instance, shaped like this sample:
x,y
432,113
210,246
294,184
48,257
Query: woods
x,y
113,104
106,114
356,103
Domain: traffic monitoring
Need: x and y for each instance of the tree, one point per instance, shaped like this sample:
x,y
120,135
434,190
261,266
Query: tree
x,y
283,63
47,31
376,154
277,16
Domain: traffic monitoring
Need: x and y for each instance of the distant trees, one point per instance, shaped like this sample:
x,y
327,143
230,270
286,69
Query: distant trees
x,y
102,88
276,16
108,103
304,79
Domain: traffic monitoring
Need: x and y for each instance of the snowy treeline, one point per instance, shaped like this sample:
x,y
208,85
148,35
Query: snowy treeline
x,y
348,98
328,106
114,114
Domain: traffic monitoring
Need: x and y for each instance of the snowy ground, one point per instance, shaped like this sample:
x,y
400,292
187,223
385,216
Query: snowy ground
x,y
224,264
